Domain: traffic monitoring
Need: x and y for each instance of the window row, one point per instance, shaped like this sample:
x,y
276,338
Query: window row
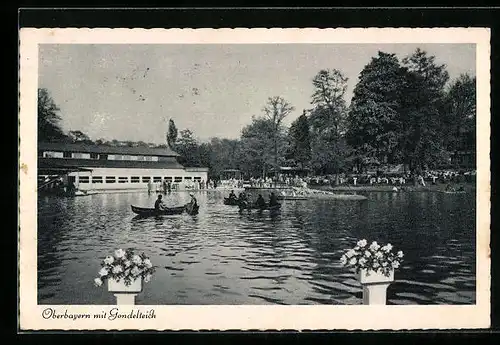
x,y
99,156
136,179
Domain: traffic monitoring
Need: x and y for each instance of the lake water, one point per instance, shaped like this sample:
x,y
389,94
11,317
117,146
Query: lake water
x,y
223,257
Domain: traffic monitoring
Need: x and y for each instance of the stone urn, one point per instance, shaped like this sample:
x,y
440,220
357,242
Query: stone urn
x,y
125,294
375,284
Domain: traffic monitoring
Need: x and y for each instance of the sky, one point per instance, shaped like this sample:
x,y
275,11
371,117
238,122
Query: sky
x,y
129,92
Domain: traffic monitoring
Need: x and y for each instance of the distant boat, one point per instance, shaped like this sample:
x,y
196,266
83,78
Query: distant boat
x,y
266,208
148,212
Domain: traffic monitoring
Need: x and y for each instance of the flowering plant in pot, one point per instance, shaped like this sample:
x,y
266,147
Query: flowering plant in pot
x,y
372,260
125,271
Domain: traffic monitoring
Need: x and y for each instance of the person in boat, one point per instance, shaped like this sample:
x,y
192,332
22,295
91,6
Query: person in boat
x,y
193,202
449,188
159,204
232,196
261,203
273,200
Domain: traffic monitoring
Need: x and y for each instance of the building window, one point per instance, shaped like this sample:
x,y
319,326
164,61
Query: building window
x,y
187,178
197,178
157,179
123,179
94,156
96,179
103,157
110,179
168,178
67,154
84,179
178,179
77,155
134,179
146,179
148,158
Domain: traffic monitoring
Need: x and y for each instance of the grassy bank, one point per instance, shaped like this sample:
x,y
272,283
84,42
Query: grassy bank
x,y
469,187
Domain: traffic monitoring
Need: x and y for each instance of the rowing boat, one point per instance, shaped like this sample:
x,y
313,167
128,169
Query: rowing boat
x,y
266,208
231,202
148,212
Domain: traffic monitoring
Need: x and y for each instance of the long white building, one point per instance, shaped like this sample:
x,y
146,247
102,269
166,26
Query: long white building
x,y
99,167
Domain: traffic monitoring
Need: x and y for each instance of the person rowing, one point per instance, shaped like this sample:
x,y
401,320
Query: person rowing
x,y
261,203
192,206
159,204
232,196
273,200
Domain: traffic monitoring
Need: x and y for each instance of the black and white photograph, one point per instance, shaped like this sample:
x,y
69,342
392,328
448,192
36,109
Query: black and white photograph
x,y
232,172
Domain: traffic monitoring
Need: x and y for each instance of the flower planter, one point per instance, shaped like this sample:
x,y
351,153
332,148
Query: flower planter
x,y
120,287
374,277
375,286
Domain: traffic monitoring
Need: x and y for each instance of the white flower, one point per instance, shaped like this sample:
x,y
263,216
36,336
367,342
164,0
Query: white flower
x,y
350,253
127,263
400,254
343,260
136,259
109,260
376,265
378,255
126,272
362,261
117,269
148,263
367,253
352,262
103,272
374,246
135,271
147,278
387,248
395,264
384,264
362,243
119,253
97,281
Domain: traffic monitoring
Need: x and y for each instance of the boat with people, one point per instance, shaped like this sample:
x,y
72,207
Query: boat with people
x,y
231,201
266,207
148,212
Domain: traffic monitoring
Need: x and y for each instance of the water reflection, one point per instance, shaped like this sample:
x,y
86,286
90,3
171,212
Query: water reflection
x,y
223,256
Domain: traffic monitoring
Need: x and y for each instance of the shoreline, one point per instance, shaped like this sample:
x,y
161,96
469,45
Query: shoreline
x,y
468,187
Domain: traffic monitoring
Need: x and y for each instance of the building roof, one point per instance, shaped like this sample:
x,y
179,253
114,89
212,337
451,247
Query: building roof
x,y
75,163
104,149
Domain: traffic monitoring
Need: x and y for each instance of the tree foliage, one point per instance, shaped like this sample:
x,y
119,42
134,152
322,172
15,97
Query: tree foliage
x,y
299,150
171,134
48,118
374,124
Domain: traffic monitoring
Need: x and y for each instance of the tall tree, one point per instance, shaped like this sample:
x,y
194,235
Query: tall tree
x,y
327,121
422,141
300,141
187,147
79,137
373,123
275,110
257,145
48,118
460,115
171,134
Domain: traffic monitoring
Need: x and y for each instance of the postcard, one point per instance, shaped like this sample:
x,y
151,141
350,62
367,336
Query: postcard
x,y
254,179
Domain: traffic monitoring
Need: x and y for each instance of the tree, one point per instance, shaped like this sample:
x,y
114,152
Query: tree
x,y
327,121
275,110
422,143
48,118
79,137
187,147
460,115
171,134
300,141
374,123
257,146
